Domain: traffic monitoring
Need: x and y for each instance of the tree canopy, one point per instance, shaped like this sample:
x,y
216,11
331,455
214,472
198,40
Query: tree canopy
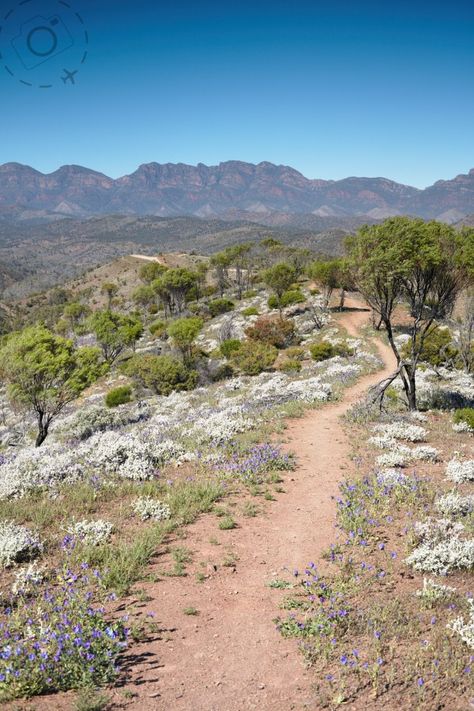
x,y
44,372
279,278
115,332
184,331
423,264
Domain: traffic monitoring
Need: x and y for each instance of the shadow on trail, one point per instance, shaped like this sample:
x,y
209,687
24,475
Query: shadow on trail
x,y
348,309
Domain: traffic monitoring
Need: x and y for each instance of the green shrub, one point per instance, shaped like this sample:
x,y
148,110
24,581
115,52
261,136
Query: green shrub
x,y
288,298
250,311
250,294
253,357
157,328
229,346
162,374
220,306
343,349
118,396
227,523
466,414
290,365
275,331
437,350
322,351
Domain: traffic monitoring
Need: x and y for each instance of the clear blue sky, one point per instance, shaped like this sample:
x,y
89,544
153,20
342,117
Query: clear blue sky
x,y
331,88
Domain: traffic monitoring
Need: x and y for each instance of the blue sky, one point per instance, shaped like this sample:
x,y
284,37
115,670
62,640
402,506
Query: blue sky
x,y
331,88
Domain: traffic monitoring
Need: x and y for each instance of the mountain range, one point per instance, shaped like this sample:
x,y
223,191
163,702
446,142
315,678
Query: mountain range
x,y
266,193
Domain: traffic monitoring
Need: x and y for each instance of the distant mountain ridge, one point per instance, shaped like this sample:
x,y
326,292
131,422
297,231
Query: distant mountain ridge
x,y
234,188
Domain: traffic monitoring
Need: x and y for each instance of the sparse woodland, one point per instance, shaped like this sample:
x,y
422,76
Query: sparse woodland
x,y
127,414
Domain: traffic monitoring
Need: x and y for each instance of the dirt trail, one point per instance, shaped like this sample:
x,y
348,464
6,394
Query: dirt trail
x,y
230,657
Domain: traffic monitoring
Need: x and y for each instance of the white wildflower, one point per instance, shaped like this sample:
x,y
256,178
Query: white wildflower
x,y
382,441
460,471
91,533
17,544
454,504
437,529
146,507
465,629
462,427
441,549
402,430
442,557
26,579
432,592
397,457
425,453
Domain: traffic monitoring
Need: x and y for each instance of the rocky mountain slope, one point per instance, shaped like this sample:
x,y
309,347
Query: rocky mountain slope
x,y
234,188
42,255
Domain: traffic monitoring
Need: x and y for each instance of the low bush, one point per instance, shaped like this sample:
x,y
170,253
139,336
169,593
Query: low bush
x,y
288,298
162,374
274,331
220,306
229,346
322,351
290,365
253,357
250,311
118,396
157,328
465,414
250,294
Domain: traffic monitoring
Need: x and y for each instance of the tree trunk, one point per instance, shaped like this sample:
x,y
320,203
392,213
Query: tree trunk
x,y
409,385
342,299
43,428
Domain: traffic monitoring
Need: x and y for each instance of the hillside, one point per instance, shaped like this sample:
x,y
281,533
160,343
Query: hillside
x,y
206,191
43,255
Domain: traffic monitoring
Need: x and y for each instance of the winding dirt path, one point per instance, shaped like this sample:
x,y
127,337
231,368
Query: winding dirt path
x,y
230,657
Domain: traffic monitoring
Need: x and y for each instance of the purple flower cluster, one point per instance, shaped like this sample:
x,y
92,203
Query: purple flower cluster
x,y
251,466
58,640
359,500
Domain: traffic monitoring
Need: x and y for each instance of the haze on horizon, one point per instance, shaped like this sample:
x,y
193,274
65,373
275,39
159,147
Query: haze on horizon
x,y
364,90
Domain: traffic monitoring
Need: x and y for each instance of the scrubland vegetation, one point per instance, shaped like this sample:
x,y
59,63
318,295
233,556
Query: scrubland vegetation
x,y
123,424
